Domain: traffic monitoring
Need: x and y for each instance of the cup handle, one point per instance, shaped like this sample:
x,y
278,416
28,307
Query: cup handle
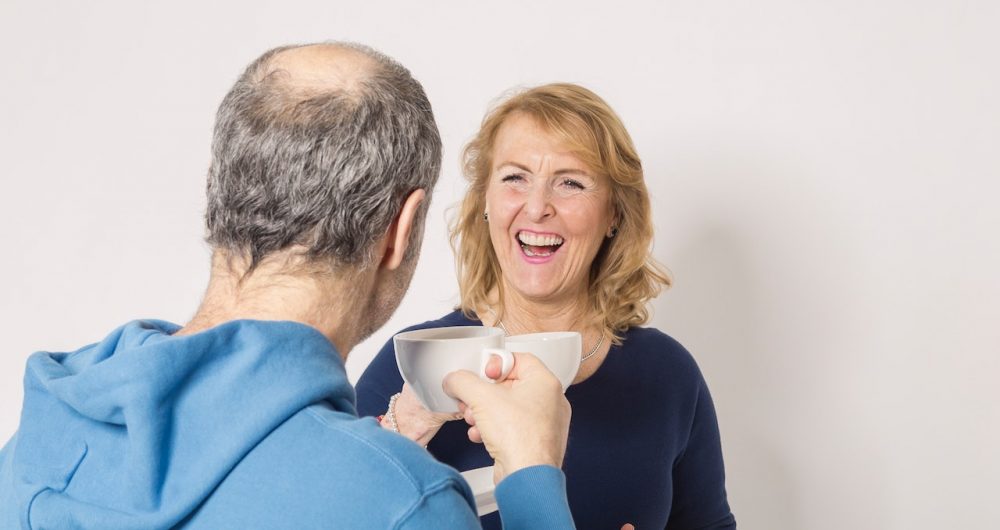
x,y
505,366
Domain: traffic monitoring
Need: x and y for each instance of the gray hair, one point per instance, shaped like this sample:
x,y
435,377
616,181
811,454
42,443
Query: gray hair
x,y
326,169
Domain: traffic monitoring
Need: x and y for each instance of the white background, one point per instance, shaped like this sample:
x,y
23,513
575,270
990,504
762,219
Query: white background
x,y
825,178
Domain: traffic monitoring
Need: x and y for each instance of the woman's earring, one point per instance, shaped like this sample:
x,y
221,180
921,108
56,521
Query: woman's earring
x,y
486,217
613,231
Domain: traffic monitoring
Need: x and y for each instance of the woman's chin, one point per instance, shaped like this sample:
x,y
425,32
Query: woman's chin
x,y
538,290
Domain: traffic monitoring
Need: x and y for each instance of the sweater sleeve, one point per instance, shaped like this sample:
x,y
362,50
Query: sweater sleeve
x,y
533,497
699,476
378,383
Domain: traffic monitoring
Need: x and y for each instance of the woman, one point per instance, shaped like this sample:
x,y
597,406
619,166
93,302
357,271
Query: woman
x,y
554,234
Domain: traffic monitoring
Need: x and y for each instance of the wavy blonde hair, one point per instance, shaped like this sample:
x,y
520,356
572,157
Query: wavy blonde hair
x,y
624,275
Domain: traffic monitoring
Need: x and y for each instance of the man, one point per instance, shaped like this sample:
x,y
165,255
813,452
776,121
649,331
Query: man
x,y
323,157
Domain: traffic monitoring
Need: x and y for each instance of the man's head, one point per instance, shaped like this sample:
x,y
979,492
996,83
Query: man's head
x,y
317,149
317,146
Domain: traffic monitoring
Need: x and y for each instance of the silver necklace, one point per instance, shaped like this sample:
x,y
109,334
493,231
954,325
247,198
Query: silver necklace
x,y
582,359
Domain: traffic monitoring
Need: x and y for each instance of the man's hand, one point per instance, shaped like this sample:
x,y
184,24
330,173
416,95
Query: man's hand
x,y
523,420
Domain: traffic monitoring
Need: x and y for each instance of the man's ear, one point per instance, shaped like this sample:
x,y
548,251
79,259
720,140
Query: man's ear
x,y
397,238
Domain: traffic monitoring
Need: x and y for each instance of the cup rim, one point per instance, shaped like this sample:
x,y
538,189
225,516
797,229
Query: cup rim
x,y
544,335
415,335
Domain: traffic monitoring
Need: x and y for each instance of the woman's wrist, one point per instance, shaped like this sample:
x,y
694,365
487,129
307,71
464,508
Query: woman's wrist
x,y
412,421
388,420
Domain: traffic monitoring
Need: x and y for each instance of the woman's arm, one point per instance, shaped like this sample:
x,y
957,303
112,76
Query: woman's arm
x,y
378,383
699,475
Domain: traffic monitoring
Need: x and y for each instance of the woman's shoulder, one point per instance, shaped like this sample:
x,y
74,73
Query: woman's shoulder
x,y
654,348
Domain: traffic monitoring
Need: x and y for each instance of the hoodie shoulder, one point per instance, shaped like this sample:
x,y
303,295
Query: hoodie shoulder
x,y
185,410
324,466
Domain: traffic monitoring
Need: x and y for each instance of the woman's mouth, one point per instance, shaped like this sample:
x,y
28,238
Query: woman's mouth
x,y
539,245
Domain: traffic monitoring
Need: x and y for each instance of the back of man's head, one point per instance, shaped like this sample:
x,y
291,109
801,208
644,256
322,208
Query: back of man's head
x,y
317,147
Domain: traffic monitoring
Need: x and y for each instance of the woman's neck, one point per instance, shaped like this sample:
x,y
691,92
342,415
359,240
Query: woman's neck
x,y
524,315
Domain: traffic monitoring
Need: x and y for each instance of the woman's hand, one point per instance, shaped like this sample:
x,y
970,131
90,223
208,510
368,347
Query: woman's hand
x,y
413,420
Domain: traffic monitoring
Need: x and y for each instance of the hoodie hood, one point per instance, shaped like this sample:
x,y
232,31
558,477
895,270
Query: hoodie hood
x,y
137,430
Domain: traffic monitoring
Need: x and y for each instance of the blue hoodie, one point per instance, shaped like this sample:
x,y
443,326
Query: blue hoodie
x,y
250,424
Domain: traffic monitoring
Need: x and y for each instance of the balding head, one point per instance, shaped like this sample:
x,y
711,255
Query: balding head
x,y
317,146
293,74
322,67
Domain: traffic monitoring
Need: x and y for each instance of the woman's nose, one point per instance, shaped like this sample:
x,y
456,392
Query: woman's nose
x,y
538,205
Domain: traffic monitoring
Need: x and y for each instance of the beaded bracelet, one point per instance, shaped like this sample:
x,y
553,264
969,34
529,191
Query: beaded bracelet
x,y
391,414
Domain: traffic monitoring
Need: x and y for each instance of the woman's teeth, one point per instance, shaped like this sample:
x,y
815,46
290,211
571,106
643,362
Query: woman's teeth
x,y
537,240
535,245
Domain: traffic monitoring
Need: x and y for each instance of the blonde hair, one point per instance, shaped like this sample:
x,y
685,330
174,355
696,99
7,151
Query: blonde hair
x,y
624,275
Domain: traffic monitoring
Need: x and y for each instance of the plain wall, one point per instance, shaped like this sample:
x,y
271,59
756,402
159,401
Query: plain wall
x,y
825,178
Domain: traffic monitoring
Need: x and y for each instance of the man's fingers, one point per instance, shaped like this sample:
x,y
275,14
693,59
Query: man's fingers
x,y
525,364
460,383
494,367
474,435
466,386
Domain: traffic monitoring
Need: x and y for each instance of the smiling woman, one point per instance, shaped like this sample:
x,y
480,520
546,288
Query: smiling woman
x,y
554,234
550,214
596,186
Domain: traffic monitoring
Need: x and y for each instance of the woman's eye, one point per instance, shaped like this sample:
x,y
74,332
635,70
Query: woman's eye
x,y
512,178
573,184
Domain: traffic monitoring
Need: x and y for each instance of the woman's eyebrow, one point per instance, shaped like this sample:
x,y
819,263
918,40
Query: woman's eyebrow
x,y
514,164
572,171
559,172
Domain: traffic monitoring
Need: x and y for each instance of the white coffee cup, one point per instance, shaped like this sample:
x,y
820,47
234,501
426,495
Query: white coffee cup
x,y
426,356
560,351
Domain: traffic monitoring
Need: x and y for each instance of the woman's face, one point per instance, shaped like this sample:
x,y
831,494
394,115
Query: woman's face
x,y
548,212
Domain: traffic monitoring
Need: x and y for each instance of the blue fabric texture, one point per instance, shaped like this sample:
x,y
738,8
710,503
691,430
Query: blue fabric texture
x,y
250,424
644,445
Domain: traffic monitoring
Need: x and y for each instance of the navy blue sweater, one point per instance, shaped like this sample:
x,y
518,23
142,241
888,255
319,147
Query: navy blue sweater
x,y
643,443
